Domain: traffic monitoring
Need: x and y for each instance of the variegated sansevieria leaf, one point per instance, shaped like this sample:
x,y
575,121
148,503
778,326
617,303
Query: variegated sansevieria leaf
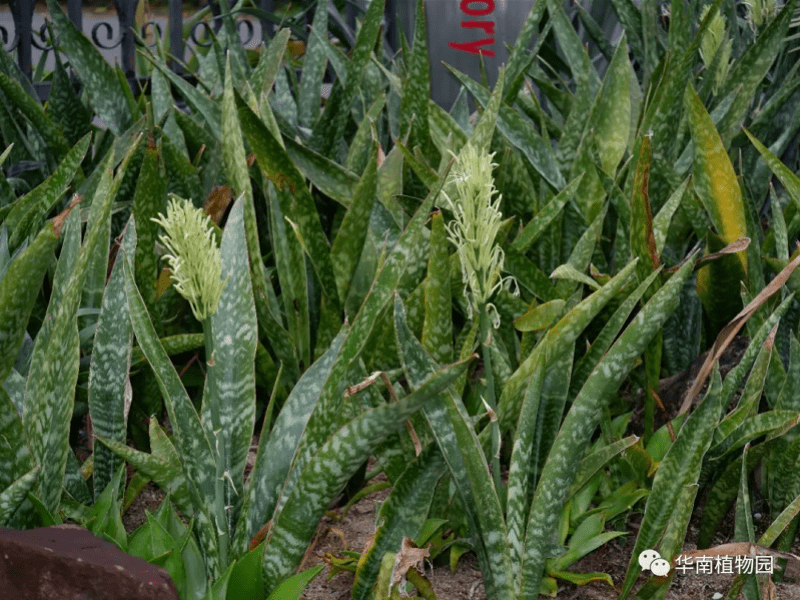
x,y
714,178
580,423
105,92
108,374
717,188
230,380
454,434
331,467
197,459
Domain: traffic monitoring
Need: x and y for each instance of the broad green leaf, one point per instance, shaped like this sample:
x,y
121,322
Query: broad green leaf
x,y
402,515
108,372
326,474
279,168
195,450
293,587
582,419
437,330
455,436
105,94
349,243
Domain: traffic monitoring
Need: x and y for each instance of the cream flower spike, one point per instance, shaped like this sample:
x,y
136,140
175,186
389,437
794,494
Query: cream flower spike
x,y
474,229
194,257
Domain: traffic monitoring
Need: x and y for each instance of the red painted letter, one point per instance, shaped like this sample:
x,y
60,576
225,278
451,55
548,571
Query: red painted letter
x,y
487,26
475,47
474,12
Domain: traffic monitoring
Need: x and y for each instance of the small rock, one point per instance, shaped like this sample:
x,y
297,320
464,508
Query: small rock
x,y
69,563
716,596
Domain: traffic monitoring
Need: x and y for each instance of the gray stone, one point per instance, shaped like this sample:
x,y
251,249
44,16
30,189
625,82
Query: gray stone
x,y
67,562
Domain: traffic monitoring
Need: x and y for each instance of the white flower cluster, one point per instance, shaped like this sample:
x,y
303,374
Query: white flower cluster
x,y
477,219
194,258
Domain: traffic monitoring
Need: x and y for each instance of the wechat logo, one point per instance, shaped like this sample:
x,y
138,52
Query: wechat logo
x,y
651,560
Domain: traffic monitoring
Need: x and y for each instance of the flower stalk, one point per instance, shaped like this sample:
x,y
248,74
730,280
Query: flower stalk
x,y
196,265
473,231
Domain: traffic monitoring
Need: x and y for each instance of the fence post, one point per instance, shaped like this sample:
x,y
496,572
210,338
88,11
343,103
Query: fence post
x,y
75,12
176,35
22,13
267,27
126,11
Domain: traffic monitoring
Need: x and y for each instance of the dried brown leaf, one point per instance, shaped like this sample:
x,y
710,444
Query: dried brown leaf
x,y
731,329
409,557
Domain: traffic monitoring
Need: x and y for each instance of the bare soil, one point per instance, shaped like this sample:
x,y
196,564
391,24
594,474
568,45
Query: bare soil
x,y
339,532
352,532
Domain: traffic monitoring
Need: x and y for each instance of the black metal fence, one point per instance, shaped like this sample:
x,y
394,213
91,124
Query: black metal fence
x,y
108,36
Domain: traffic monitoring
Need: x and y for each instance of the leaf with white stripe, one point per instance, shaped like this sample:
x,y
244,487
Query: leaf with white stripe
x,y
331,468
193,445
108,373
231,377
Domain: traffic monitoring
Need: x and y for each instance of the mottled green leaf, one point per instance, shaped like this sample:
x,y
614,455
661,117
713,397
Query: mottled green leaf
x,y
279,168
195,450
105,94
314,61
12,497
230,379
680,467
402,515
108,372
520,133
330,177
349,243
582,419
34,205
326,474
437,330
452,429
